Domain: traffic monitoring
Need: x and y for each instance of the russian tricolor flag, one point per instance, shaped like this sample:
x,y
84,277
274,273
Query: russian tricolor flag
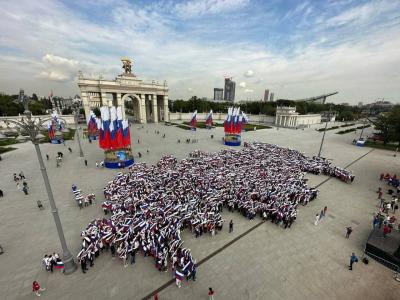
x,y
193,121
209,119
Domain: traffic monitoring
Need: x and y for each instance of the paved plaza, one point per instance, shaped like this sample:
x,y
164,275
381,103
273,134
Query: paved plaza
x,y
268,262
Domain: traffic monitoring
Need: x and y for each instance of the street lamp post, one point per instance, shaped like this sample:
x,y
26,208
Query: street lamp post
x,y
362,129
32,127
323,136
77,131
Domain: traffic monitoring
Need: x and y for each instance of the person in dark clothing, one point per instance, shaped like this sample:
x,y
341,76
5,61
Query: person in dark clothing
x,y
86,162
349,230
112,247
83,264
353,259
230,226
133,254
69,149
47,157
25,190
1,193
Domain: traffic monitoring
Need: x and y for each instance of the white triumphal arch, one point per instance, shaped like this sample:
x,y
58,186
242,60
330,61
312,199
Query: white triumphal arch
x,y
148,100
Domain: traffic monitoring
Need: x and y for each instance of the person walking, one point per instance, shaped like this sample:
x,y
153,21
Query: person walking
x,y
349,230
230,226
36,288
321,214
353,259
47,157
316,219
86,162
1,193
210,294
69,149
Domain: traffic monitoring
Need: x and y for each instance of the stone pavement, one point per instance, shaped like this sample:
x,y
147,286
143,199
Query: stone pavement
x,y
305,262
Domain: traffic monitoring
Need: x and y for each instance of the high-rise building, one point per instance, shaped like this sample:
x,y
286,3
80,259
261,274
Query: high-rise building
x,y
218,94
229,94
266,94
271,97
21,96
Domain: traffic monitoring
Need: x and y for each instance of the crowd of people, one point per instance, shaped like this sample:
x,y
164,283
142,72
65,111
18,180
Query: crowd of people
x,y
150,205
385,219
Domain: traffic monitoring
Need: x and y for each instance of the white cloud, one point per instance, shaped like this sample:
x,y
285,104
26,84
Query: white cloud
x,y
196,8
249,73
59,61
242,84
362,13
360,68
53,75
58,68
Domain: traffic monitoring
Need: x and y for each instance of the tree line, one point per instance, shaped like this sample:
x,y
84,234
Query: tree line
x,y
343,112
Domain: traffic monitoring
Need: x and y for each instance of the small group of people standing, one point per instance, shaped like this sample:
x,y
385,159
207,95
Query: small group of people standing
x,y
320,216
83,200
17,179
51,261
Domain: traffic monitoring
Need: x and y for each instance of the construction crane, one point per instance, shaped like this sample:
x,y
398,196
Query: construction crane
x,y
318,99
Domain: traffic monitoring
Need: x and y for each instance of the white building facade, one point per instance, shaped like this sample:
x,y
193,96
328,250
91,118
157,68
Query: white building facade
x,y
287,116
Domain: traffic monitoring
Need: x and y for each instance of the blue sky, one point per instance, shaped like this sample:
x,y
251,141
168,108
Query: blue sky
x,y
294,48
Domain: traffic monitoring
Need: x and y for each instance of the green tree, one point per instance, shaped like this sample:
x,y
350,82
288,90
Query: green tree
x,y
382,123
394,124
67,111
8,107
37,108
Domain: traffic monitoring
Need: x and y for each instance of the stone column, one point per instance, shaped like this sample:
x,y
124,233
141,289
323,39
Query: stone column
x,y
166,112
155,110
85,103
122,104
142,109
104,101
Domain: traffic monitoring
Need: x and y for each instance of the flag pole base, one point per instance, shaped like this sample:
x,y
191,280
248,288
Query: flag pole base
x,y
232,139
118,158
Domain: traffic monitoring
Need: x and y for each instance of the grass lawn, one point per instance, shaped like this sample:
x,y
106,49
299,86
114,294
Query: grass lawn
x,y
6,149
346,131
9,141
